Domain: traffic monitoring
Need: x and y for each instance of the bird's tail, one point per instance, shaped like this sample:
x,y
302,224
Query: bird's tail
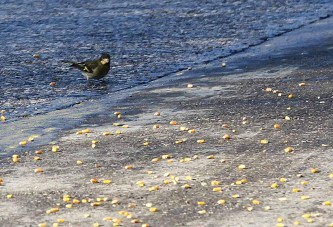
x,y
74,64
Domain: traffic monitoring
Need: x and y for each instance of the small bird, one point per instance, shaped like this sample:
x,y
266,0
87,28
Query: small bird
x,y
96,69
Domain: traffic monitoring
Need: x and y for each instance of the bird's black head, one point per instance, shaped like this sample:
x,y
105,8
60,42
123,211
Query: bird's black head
x,y
105,58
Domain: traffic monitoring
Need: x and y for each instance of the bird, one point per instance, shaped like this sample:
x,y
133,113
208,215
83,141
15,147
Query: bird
x,y
93,69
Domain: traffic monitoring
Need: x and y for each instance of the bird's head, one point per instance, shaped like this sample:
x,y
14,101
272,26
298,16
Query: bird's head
x,y
105,58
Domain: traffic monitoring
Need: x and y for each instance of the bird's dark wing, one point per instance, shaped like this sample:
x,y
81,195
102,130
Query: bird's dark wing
x,y
85,66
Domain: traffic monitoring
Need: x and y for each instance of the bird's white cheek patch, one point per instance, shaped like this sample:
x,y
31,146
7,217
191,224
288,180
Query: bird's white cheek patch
x,y
105,61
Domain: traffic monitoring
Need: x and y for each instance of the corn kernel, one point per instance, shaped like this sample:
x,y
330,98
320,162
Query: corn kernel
x,y
282,179
256,202
201,203
55,148
153,209
202,212
215,183
296,190
226,137
221,202
274,185
288,149
327,203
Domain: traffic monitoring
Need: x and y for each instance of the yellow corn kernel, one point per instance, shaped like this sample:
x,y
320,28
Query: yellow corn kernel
x,y
327,203
256,202
274,185
215,183
288,149
201,141
153,209
304,197
282,179
201,203
140,183
221,202
226,137
264,141
107,181
296,190
52,210
241,167
186,186
55,148
314,170
202,212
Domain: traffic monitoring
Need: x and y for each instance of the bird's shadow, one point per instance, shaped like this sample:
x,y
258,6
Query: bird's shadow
x,y
97,85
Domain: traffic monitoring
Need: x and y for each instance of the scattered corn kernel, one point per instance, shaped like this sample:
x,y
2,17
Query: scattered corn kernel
x,y
156,126
173,122
235,196
304,197
301,84
290,96
129,167
23,143
296,223
264,141
217,189
94,180
226,137
296,190
287,118
279,225
221,202
107,181
314,170
52,210
268,89
211,157
288,149
155,159
201,203
304,182
10,196
69,206
39,170
157,114
186,186
327,203
140,183
274,185
256,202
107,219
282,179
276,126
154,188
215,183
190,85
202,212
55,148
153,209
191,131
201,141
241,166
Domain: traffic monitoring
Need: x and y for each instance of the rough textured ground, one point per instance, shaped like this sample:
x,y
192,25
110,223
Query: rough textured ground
x,y
216,105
